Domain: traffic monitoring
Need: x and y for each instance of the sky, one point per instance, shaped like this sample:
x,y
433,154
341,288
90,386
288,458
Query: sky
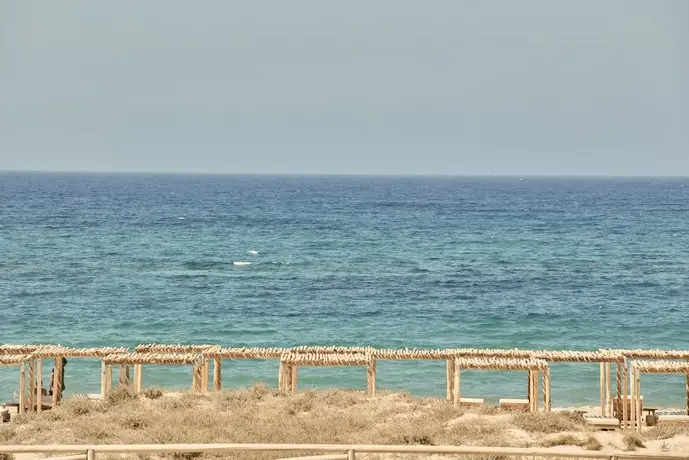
x,y
459,87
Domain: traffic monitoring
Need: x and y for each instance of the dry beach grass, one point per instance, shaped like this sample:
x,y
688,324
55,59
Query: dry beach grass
x,y
262,416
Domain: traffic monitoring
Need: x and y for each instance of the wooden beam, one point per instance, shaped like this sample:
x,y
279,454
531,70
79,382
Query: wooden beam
x,y
607,390
625,394
547,403
32,384
39,385
456,386
450,379
217,373
294,378
22,388
371,378
103,380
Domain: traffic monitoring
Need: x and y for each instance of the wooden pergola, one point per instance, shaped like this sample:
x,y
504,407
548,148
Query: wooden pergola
x,y
653,367
604,358
290,362
57,353
532,366
138,360
206,350
19,361
630,356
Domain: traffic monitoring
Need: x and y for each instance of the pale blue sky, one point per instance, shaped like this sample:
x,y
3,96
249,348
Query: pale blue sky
x,y
377,87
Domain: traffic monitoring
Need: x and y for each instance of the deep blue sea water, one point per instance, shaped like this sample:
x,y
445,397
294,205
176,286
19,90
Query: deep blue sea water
x,y
108,259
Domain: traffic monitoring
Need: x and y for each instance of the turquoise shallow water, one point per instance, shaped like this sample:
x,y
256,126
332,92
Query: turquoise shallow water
x,y
91,260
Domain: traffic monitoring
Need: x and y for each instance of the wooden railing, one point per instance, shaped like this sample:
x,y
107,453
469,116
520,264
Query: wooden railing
x,y
329,451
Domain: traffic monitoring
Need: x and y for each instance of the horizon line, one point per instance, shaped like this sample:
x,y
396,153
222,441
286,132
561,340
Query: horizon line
x,y
331,174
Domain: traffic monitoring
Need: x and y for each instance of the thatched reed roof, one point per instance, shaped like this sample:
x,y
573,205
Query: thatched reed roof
x,y
393,354
651,353
9,349
249,353
567,356
176,348
513,353
502,364
328,359
330,349
153,358
662,367
12,360
57,351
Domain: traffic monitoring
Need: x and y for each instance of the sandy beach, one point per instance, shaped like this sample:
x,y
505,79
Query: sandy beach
x,y
261,415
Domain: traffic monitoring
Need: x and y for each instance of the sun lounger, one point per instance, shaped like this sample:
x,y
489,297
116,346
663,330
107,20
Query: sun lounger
x,y
471,402
602,423
673,418
521,405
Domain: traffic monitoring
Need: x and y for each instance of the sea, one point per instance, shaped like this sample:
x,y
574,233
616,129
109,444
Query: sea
x,y
91,260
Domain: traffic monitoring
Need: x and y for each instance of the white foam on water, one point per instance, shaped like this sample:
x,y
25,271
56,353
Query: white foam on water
x,y
241,263
253,252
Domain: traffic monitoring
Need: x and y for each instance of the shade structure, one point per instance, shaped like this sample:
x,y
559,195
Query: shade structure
x,y
138,360
653,367
290,362
532,366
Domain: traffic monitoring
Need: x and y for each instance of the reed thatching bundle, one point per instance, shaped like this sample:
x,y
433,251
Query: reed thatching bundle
x,y
602,356
392,354
249,353
57,351
662,367
9,349
502,364
327,359
330,349
650,353
513,353
176,348
153,358
13,360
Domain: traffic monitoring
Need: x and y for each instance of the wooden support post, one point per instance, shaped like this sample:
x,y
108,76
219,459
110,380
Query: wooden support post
x,y
22,388
371,378
639,408
206,375
536,393
687,391
281,377
351,454
456,385
608,385
632,403
618,391
138,378
58,377
90,454
450,379
103,379
529,381
602,389
547,403
287,378
108,381
32,384
39,385
294,378
197,379
217,373
625,394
